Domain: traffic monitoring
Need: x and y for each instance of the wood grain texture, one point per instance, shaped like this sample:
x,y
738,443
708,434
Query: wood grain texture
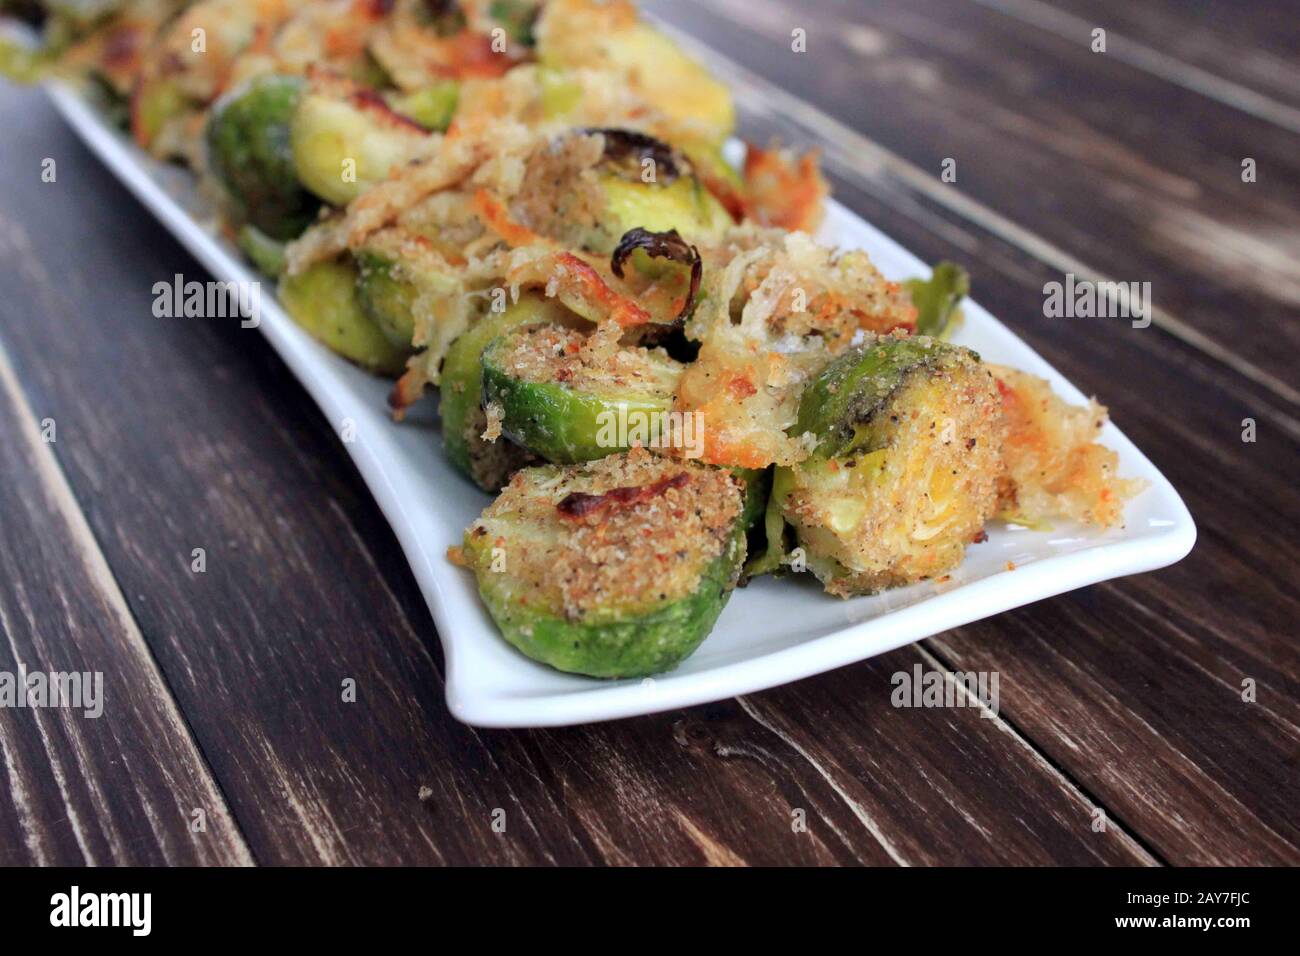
x,y
118,779
917,783
178,434
909,754
1250,44
1113,171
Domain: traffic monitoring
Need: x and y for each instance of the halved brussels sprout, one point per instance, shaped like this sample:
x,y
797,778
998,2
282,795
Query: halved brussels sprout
x,y
656,67
648,185
570,397
387,297
517,18
403,295
489,464
841,406
345,140
683,205
591,186
616,568
249,152
323,300
904,473
432,107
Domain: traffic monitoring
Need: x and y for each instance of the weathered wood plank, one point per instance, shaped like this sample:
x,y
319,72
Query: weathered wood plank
x,y
925,786
1163,738
189,433
116,778
1214,46
889,761
1101,167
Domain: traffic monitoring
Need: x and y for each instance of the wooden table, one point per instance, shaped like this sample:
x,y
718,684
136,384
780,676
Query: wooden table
x,y
223,688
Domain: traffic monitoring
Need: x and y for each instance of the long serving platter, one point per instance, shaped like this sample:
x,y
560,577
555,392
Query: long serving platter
x,y
771,632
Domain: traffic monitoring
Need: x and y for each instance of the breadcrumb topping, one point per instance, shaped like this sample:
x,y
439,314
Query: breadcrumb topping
x,y
589,363
1054,466
495,415
654,527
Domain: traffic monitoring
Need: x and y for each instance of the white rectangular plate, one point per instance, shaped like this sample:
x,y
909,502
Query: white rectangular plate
x,y
771,632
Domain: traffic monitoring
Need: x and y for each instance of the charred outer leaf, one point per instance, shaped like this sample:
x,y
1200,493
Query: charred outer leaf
x,y
622,145
661,245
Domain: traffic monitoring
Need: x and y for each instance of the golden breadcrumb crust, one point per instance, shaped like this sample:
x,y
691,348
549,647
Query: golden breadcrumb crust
x,y
1054,466
624,532
590,363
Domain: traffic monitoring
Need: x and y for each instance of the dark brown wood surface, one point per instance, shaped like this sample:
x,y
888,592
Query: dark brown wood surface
x,y
117,780
223,688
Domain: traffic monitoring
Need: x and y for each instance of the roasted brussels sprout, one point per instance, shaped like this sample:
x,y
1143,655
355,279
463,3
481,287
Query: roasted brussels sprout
x,y
409,299
387,297
904,472
654,65
649,186
345,139
569,397
432,107
616,568
591,187
488,463
683,205
249,152
517,18
323,300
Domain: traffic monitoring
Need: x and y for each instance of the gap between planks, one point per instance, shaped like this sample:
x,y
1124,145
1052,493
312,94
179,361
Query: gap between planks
x,y
1127,833
849,154
61,496
856,808
1139,849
